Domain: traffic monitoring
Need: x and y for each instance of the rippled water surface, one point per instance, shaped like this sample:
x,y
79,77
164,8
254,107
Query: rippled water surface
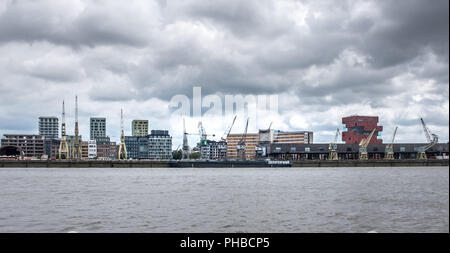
x,y
413,199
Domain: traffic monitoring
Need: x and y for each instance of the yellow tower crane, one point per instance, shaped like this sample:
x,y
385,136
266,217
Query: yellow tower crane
x,y
333,147
363,155
63,147
389,149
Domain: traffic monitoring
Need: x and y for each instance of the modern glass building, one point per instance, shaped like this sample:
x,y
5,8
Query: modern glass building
x,y
160,145
137,147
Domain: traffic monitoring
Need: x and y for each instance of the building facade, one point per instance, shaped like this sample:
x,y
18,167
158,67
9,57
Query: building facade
x,y
92,149
137,147
292,137
84,150
139,127
159,145
31,145
113,151
255,143
358,127
48,127
251,142
351,151
97,127
213,150
51,147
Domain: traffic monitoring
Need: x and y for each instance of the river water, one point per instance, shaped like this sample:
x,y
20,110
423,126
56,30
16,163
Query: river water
x,y
412,199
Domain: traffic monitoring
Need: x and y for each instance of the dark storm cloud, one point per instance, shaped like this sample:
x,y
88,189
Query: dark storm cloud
x,y
61,24
408,28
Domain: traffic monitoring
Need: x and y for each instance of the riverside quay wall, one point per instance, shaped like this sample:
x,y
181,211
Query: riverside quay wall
x,y
226,164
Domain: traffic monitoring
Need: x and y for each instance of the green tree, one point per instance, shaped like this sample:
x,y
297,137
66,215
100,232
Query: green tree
x,y
177,154
195,155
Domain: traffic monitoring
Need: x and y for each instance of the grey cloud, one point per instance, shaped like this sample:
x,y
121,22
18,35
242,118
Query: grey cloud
x,y
244,19
42,21
128,54
406,29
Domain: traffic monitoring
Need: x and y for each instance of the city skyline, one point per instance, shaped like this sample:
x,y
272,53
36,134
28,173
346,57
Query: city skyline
x,y
325,60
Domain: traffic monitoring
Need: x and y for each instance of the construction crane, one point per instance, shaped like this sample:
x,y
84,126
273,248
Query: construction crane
x,y
241,144
363,155
202,133
227,132
432,140
333,147
389,149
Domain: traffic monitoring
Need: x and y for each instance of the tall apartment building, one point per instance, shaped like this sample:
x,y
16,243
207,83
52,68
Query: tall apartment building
x,y
97,127
31,145
139,127
48,127
159,145
358,127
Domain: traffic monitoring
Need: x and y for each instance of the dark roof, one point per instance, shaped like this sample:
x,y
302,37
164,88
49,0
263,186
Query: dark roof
x,y
352,148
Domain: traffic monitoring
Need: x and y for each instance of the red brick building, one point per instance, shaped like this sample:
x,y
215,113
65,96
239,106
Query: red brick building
x,y
359,127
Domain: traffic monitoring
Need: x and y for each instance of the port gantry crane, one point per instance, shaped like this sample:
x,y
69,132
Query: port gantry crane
x,y
389,149
363,155
76,150
122,154
63,147
241,144
432,140
333,147
185,150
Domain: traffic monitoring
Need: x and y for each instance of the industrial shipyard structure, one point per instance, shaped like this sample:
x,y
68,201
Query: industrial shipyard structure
x,y
359,135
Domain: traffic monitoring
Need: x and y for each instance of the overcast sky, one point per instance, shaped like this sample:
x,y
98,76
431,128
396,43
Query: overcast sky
x,y
324,59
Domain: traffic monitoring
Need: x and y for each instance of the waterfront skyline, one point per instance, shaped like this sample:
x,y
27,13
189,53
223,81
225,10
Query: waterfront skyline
x,y
325,60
